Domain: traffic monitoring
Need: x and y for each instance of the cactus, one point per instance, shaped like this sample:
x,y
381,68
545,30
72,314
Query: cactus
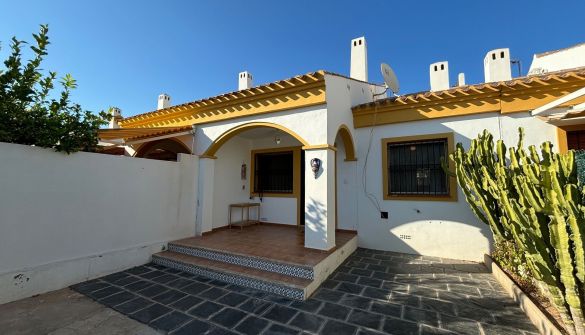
x,y
533,199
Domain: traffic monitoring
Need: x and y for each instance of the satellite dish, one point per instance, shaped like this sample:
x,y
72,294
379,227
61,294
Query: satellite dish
x,y
389,78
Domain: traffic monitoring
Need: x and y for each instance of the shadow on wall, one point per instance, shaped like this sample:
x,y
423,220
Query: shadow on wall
x,y
315,213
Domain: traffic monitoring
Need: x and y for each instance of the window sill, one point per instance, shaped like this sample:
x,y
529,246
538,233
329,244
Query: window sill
x,y
274,195
444,198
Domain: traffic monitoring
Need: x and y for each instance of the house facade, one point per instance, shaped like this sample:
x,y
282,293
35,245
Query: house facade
x,y
327,152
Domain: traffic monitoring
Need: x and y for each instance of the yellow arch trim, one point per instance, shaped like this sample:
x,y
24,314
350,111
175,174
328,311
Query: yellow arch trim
x,y
348,143
212,149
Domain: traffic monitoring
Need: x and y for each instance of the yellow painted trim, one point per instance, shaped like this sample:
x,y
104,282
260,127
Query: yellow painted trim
x,y
452,181
296,193
502,99
319,147
348,143
297,92
562,140
213,147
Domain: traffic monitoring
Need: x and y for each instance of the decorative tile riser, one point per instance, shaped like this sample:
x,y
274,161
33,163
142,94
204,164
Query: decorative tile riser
x,y
285,291
250,262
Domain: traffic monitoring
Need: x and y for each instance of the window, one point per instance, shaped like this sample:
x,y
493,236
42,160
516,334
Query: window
x,y
273,171
412,168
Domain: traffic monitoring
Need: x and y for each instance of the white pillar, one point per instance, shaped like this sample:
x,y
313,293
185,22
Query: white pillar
x,y
205,198
320,200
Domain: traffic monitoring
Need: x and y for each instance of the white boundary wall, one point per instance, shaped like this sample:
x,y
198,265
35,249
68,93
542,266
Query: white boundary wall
x,y
68,218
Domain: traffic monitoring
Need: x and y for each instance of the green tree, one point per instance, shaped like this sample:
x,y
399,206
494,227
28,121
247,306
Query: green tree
x,y
32,113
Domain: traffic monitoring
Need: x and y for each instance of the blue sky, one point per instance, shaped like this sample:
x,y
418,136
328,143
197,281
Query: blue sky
x,y
124,53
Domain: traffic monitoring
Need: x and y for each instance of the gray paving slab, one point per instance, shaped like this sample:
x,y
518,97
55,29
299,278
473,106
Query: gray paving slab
x,y
373,292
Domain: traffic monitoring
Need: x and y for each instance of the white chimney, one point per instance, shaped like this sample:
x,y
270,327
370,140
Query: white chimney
x,y
359,59
461,79
116,116
496,65
439,74
164,101
244,81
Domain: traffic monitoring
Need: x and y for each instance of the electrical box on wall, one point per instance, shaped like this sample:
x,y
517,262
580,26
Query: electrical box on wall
x,y
384,215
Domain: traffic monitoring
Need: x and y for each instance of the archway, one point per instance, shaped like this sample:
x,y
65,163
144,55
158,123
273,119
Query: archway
x,y
165,149
214,147
348,143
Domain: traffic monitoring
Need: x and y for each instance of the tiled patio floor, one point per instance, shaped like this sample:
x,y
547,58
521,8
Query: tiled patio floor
x,y
373,292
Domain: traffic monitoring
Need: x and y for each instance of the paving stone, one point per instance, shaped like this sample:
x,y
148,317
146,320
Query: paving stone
x,y
489,329
228,317
205,309
169,297
356,301
405,299
376,293
427,330
104,292
340,276
281,314
152,274
195,288
179,283
421,315
513,317
335,311
423,291
126,281
90,286
395,287
464,289
365,319
118,298
460,325
112,278
400,327
186,303
328,295
193,327
476,314
146,315
220,331
330,284
350,288
437,306
307,322
277,329
153,290
380,268
278,299
255,306
338,328
252,325
139,270
133,305
383,275
232,299
170,321
165,278
213,293
310,305
362,272
376,283
173,271
138,285
219,283
386,308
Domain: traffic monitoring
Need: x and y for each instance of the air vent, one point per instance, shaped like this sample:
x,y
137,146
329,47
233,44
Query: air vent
x,y
405,237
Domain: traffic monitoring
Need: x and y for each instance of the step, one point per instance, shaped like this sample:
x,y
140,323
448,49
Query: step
x,y
283,268
287,286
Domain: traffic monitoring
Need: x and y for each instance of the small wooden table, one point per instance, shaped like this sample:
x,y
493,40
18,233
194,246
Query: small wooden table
x,y
244,206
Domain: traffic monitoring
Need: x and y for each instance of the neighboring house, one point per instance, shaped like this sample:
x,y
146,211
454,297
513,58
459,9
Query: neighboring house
x,y
380,171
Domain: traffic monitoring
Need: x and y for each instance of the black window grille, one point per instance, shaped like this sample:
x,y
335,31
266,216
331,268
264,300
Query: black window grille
x,y
414,168
273,172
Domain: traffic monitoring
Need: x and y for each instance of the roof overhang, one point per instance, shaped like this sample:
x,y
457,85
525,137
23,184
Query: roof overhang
x,y
140,135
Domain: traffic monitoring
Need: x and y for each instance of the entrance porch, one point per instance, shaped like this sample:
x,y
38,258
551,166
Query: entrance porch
x,y
269,257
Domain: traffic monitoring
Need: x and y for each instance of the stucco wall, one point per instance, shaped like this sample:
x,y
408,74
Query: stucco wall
x,y
67,218
436,228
